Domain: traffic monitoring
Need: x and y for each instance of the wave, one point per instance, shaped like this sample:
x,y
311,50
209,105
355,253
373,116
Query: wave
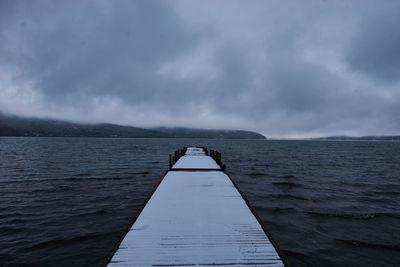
x,y
385,193
72,240
95,212
140,173
357,216
358,243
96,179
288,184
14,221
289,196
257,174
275,209
296,254
77,177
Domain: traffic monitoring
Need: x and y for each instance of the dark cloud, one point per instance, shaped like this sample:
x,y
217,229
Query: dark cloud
x,y
92,49
375,49
282,68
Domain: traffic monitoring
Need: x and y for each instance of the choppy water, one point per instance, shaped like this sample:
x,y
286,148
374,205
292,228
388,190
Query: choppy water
x,y
66,201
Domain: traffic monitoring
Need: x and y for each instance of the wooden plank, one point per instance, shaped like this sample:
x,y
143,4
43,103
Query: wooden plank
x,y
196,218
196,162
195,158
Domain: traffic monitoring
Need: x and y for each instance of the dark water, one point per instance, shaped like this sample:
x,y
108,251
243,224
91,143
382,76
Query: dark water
x,y
66,201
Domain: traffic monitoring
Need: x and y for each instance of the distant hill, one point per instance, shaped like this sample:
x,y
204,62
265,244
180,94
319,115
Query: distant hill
x,y
362,138
202,133
17,126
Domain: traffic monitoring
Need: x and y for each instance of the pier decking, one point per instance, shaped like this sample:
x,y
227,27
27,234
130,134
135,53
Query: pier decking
x,y
196,158
196,217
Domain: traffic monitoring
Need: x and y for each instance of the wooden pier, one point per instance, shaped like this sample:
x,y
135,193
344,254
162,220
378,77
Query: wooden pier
x,y
196,216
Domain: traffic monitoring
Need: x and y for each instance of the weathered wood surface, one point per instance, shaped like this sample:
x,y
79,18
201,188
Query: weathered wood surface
x,y
196,218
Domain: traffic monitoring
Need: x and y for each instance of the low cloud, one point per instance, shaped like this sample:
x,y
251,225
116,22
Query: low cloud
x,y
280,68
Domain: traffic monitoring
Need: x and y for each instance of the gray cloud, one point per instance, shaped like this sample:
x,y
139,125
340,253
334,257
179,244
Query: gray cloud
x,y
97,50
284,69
375,50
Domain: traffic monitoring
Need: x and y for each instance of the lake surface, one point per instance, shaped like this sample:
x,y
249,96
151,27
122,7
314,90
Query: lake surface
x,y
66,201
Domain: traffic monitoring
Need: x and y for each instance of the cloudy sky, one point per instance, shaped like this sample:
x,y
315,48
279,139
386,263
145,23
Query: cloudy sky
x,y
282,68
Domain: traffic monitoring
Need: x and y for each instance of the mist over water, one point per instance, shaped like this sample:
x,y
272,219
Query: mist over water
x,y
66,201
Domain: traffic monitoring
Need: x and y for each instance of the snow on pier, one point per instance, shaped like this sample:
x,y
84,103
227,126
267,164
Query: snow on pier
x,y
196,217
195,158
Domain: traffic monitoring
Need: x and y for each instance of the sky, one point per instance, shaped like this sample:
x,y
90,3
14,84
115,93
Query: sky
x,y
282,68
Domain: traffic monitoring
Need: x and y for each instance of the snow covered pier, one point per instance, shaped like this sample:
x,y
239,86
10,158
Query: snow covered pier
x,y
196,216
